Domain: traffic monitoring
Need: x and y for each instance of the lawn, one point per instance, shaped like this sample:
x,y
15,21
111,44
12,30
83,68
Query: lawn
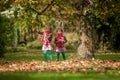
x,y
38,56
59,76
28,54
107,56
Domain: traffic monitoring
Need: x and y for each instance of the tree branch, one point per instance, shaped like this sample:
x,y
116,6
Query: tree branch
x,y
42,11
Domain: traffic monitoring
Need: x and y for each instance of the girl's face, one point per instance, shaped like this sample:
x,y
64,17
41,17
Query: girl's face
x,y
59,32
47,29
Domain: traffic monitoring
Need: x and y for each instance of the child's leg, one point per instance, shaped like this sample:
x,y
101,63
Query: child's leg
x,y
50,54
57,56
45,55
63,54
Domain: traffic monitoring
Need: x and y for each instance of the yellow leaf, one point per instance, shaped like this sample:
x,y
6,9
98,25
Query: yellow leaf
x,y
49,1
53,8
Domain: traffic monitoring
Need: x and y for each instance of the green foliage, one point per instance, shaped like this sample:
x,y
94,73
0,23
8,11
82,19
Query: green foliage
x,y
36,14
107,21
34,45
6,4
5,29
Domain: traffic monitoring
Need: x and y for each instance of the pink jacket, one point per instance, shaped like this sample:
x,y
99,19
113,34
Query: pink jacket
x,y
58,42
46,38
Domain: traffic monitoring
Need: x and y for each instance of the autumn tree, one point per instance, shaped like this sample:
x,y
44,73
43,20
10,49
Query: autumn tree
x,y
95,21
87,28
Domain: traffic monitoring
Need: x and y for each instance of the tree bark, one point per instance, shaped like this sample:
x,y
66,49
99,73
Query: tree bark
x,y
86,47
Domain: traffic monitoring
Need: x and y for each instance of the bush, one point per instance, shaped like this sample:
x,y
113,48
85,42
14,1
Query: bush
x,y
34,45
4,33
71,45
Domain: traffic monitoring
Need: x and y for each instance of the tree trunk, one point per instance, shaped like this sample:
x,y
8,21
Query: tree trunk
x,y
86,47
15,38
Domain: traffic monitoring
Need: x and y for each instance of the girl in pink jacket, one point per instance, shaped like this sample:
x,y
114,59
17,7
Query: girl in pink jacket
x,y
60,40
46,41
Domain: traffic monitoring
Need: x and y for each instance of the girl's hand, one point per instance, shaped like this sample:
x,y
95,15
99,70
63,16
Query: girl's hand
x,y
62,40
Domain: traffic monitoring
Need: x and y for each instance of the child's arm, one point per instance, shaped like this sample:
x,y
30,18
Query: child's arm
x,y
50,38
41,33
65,40
55,41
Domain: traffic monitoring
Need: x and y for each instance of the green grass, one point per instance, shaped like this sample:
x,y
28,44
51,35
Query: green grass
x,y
108,57
30,56
58,76
36,54
22,58
39,56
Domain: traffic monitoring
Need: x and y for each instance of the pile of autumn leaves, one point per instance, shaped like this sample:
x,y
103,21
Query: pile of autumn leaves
x,y
60,66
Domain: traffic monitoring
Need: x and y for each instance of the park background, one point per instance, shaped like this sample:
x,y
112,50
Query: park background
x,y
92,28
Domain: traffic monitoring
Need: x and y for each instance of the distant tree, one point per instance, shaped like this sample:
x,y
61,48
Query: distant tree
x,y
5,31
5,28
